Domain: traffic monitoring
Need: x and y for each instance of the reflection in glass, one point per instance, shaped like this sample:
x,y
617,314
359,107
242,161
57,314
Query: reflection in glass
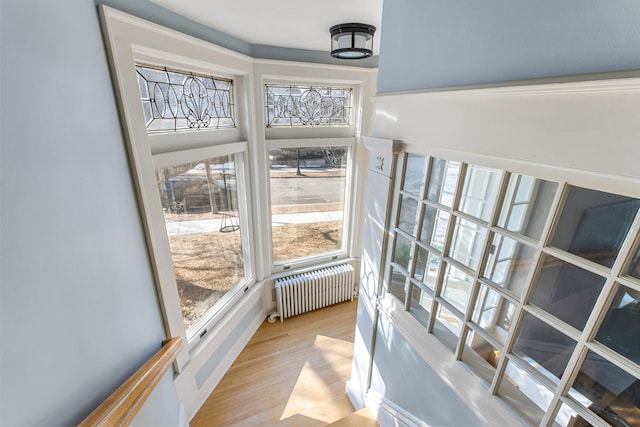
x,y
449,320
408,221
200,203
420,304
434,227
480,191
607,390
493,313
442,181
468,242
456,287
415,174
526,205
634,266
524,393
593,224
566,291
509,263
481,356
429,263
402,254
620,330
543,347
567,417
307,201
397,284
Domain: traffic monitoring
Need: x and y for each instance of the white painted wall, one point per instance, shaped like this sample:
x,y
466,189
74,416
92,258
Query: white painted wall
x,y
78,309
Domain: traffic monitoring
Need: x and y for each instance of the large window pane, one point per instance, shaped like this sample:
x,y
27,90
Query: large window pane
x,y
509,264
443,179
634,266
620,329
307,201
493,313
403,253
593,224
408,220
481,356
525,393
608,391
200,202
427,266
415,174
526,205
456,287
468,243
543,347
420,304
480,191
398,283
566,291
434,227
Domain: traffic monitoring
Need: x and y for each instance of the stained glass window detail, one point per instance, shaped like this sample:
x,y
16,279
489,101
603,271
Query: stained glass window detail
x,y
289,106
177,100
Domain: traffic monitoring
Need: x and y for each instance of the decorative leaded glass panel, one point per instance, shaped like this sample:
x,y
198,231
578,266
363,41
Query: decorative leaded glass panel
x,y
177,100
293,105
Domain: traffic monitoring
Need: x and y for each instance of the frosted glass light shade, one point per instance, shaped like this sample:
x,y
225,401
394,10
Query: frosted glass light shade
x,y
352,41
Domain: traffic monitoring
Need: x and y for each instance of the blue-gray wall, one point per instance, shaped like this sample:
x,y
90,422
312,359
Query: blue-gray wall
x,y
433,43
78,308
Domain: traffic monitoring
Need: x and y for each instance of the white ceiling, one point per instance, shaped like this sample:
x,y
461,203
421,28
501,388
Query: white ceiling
x,y
301,24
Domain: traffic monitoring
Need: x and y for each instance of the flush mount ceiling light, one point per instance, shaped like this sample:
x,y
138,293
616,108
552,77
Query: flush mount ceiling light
x,y
352,41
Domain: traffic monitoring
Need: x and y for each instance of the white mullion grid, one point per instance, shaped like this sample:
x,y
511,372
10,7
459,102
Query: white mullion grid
x,y
552,321
417,230
597,315
630,282
554,212
533,372
501,290
437,205
447,241
587,415
484,255
430,248
615,358
578,261
484,334
520,238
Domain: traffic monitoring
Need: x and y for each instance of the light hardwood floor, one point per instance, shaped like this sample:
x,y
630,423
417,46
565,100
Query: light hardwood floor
x,y
290,374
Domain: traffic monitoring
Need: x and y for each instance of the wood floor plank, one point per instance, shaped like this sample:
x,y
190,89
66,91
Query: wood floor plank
x,y
291,373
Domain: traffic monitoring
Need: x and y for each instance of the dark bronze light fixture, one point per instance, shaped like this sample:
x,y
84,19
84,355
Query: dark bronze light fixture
x,y
352,41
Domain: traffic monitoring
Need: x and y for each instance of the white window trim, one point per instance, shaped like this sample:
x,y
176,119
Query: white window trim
x,y
131,40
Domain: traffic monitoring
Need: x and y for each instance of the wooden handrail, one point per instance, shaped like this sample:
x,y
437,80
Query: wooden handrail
x,y
122,406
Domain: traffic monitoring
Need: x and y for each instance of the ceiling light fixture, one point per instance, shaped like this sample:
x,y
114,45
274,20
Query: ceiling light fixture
x,y
352,41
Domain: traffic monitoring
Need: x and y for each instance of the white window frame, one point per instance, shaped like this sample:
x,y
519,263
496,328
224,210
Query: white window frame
x,y
558,388
132,41
346,249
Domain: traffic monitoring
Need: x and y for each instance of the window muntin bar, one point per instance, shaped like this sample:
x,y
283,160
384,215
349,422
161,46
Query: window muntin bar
x,y
519,219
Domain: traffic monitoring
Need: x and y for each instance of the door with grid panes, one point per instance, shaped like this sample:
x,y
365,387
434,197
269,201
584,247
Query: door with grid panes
x,y
533,284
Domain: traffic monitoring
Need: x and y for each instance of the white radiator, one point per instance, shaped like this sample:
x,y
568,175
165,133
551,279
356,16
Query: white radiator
x,y
304,292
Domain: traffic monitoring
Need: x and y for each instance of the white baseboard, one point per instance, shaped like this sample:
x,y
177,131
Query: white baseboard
x,y
354,393
388,414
